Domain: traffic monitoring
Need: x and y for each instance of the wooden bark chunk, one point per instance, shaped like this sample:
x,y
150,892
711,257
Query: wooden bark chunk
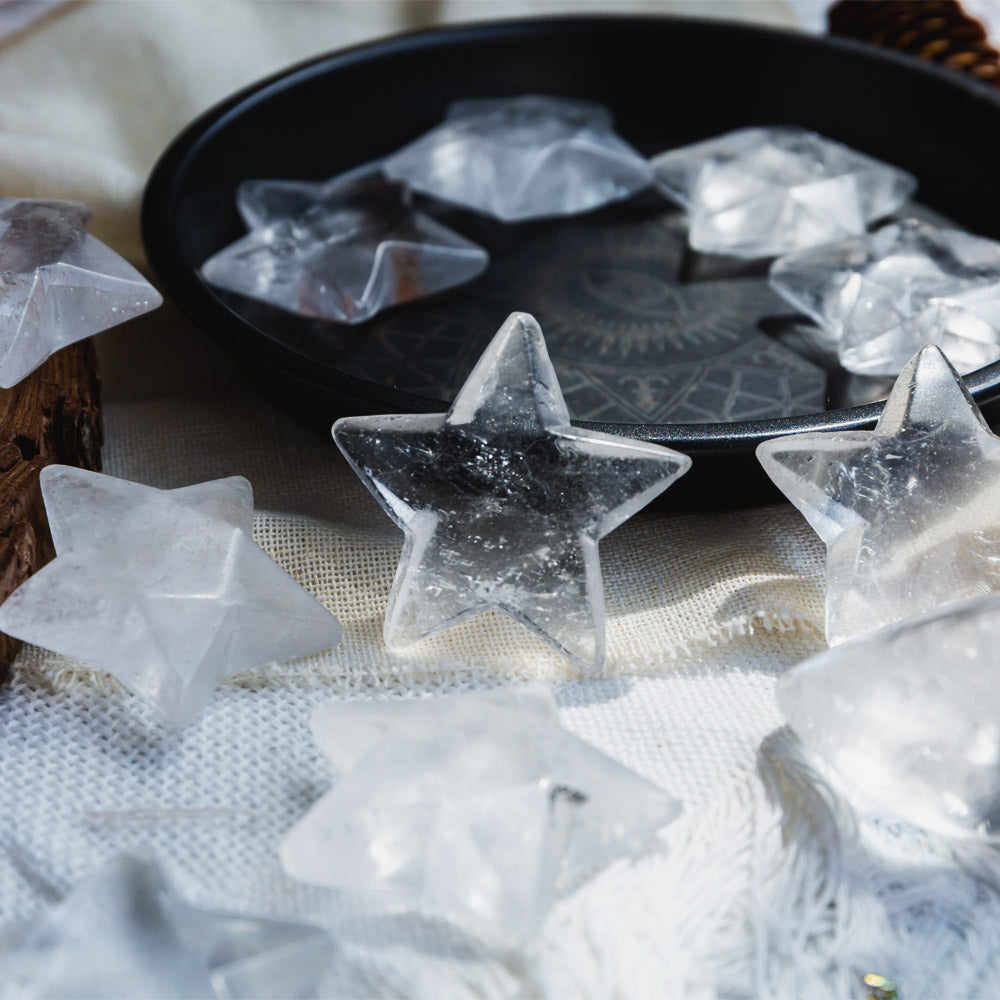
x,y
54,415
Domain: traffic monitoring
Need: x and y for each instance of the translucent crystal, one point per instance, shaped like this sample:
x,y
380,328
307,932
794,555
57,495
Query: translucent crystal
x,y
911,716
882,296
503,502
908,511
58,284
476,807
761,192
520,158
343,250
163,588
125,933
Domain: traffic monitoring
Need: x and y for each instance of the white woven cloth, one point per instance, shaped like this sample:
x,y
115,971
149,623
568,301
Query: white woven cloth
x,y
766,886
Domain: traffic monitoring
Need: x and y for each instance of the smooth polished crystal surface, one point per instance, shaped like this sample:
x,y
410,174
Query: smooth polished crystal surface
x,y
761,192
343,250
502,501
124,932
521,158
911,716
476,807
909,512
163,588
881,297
58,284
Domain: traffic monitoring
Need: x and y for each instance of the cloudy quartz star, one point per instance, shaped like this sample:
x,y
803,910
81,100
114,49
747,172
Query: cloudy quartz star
x,y
519,158
880,297
342,250
126,933
911,716
476,807
163,588
761,192
58,284
502,501
909,512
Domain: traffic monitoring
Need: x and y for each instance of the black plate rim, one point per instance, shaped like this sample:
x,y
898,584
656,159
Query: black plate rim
x,y
211,315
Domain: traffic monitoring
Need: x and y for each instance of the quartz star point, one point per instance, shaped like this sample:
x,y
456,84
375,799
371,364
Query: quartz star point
x,y
163,588
908,716
879,297
342,250
477,807
761,192
503,502
125,932
520,158
59,284
909,510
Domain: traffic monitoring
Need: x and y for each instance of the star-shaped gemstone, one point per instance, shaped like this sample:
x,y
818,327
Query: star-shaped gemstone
x,y
910,715
125,932
163,588
910,512
502,501
519,158
341,250
761,192
58,284
478,807
882,296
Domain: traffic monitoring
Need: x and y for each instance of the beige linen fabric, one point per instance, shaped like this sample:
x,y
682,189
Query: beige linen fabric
x,y
757,890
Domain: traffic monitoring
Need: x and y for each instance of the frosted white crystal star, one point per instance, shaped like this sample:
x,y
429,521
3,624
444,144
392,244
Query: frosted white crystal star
x,y
58,284
521,158
911,716
124,932
910,512
342,250
882,296
502,501
163,588
477,807
761,192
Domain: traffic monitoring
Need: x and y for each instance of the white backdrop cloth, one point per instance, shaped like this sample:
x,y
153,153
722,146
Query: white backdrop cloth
x,y
766,886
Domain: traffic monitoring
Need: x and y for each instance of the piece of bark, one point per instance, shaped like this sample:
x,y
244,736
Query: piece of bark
x,y
54,415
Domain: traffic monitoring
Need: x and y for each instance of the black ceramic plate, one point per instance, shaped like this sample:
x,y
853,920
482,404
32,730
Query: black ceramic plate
x,y
650,341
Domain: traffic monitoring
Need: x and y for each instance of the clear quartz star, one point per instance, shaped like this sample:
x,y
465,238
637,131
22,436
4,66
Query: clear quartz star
x,y
911,716
476,807
163,588
58,284
502,502
342,250
882,296
909,512
761,192
519,158
126,933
